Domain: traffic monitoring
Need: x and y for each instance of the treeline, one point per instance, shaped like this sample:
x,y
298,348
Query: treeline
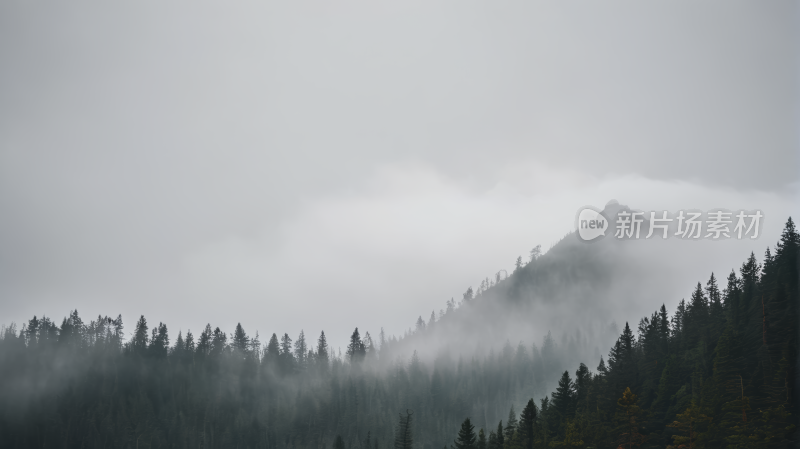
x,y
82,384
720,372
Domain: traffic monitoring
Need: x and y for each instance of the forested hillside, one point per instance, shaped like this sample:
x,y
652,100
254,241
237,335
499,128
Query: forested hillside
x,y
720,371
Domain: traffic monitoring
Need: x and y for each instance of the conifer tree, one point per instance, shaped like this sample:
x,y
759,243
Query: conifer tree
x,y
159,343
492,441
240,340
219,342
403,439
180,346
564,397
572,438
322,352
301,350
188,344
204,344
688,423
628,421
466,436
527,423
139,341
481,443
356,349
272,352
500,436
511,426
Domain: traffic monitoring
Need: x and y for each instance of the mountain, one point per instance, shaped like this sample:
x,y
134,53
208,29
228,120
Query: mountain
x,y
720,371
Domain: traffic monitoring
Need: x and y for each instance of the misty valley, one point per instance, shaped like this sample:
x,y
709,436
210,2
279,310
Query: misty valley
x,y
720,371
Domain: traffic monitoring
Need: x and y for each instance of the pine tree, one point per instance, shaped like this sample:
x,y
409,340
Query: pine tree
x,y
492,443
564,397
219,342
286,358
180,347
572,438
240,340
204,344
628,420
420,325
356,349
403,439
715,305
481,443
322,360
466,436
139,342
159,343
301,350
581,386
688,423
188,344
272,352
511,427
526,426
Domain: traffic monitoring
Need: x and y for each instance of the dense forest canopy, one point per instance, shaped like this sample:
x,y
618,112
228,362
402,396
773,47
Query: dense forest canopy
x,y
720,371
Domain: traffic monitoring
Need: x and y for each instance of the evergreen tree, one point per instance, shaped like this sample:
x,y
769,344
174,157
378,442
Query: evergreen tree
x,y
139,341
322,359
466,436
572,438
272,353
286,358
356,349
501,439
628,420
511,427
492,443
204,344
481,443
159,343
583,378
188,344
240,340
403,439
564,397
301,350
688,423
219,342
527,424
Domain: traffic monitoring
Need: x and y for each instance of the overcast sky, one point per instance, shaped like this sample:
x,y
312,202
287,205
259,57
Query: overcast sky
x,y
326,165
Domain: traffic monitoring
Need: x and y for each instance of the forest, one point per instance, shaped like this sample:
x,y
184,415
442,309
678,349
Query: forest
x,y
720,371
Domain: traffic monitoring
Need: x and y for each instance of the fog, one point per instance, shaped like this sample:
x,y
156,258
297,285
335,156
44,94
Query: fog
x,y
317,167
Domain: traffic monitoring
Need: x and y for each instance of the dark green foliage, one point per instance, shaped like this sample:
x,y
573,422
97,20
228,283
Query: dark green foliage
x,y
527,425
466,436
500,440
564,398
